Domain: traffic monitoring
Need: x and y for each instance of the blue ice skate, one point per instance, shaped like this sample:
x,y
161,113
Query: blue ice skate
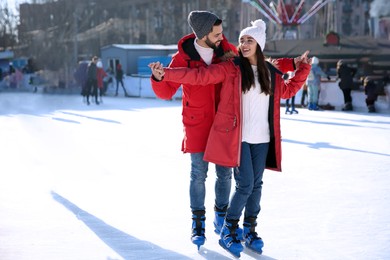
x,y
229,240
252,240
218,220
198,228
218,224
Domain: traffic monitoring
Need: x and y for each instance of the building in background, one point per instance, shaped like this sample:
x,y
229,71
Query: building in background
x,y
57,34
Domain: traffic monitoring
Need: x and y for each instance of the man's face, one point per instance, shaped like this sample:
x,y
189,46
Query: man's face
x,y
214,38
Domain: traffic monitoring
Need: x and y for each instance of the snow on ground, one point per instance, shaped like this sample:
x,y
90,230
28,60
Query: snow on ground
x,y
110,182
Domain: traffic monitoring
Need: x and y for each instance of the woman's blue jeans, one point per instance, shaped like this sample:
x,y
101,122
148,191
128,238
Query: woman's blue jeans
x,y
199,169
249,181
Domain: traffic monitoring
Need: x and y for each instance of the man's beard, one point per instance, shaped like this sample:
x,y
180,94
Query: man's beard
x,y
211,44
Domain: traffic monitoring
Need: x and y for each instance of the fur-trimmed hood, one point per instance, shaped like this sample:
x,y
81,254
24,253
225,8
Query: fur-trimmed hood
x,y
187,51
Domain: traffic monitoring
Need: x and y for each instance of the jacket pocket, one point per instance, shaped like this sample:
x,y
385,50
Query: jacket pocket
x,y
225,122
192,116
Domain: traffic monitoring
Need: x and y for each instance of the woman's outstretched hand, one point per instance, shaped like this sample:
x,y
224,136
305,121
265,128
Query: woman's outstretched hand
x,y
302,59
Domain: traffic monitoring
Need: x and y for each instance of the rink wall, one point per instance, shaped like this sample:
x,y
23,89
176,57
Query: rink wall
x,y
140,86
330,93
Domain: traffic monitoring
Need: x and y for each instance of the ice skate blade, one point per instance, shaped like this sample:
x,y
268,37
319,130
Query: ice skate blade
x,y
198,241
250,249
236,255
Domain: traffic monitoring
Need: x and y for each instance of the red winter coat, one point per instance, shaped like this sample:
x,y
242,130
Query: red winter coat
x,y
199,102
101,74
224,143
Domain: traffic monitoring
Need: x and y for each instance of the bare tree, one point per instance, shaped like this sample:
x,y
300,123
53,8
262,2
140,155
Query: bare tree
x,y
8,22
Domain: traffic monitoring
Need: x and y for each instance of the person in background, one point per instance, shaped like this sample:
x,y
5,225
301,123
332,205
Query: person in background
x,y
246,129
101,74
13,83
108,79
313,84
370,89
288,76
91,85
119,79
206,45
80,75
293,110
304,95
345,75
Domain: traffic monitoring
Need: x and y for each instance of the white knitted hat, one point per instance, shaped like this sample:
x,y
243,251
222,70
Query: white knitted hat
x,y
257,31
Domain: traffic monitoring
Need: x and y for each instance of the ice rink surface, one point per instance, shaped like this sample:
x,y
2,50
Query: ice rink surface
x,y
109,182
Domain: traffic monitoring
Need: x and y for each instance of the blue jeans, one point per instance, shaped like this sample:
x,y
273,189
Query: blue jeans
x,y
199,169
249,181
313,93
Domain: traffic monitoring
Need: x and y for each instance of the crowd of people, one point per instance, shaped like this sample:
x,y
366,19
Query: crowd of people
x,y
346,80
11,78
94,80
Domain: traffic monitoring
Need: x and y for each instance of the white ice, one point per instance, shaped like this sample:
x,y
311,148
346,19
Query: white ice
x,y
110,182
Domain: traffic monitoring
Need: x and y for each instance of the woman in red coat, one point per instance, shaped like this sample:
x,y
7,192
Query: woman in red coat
x,y
246,129
101,74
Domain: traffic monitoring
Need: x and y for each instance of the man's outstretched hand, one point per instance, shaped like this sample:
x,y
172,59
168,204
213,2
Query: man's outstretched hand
x,y
157,70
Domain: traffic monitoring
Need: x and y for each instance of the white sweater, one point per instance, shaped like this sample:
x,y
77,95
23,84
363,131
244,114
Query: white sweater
x,y
255,128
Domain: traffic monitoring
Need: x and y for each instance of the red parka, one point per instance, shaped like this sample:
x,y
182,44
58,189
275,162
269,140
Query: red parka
x,y
199,102
101,74
224,143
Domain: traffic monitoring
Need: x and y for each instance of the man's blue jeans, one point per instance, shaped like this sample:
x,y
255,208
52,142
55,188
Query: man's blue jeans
x,y
249,181
199,169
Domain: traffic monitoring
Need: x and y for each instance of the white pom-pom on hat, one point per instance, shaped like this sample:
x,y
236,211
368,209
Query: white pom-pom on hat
x,y
256,31
259,23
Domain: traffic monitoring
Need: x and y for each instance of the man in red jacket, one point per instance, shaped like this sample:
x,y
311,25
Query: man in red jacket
x,y
206,45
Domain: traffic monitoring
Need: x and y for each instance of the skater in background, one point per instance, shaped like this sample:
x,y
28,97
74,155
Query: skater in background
x,y
206,45
288,76
255,86
91,85
101,74
345,74
313,84
80,76
370,89
293,110
119,80
108,79
304,95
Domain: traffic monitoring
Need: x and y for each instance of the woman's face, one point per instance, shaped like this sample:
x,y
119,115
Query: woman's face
x,y
248,47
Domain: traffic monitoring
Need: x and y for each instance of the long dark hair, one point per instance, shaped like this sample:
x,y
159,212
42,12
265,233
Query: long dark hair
x,y
248,78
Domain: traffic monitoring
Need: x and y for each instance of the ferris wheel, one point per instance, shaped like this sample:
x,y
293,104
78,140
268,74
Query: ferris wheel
x,y
289,12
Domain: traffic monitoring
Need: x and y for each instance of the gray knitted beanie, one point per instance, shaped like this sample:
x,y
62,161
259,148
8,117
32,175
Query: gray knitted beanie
x,y
201,22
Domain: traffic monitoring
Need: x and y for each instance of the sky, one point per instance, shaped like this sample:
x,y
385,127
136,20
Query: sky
x,y
109,182
14,4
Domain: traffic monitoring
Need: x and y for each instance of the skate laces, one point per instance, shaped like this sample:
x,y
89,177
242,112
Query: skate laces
x,y
198,226
252,236
231,237
221,214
